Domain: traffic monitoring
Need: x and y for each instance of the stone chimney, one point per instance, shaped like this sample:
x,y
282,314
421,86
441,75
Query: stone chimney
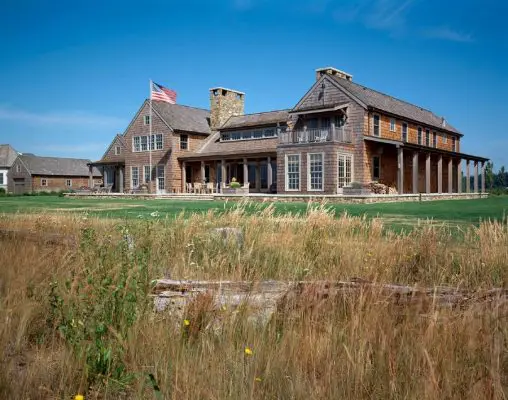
x,y
225,103
333,72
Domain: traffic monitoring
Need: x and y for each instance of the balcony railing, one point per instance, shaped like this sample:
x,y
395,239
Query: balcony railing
x,y
318,135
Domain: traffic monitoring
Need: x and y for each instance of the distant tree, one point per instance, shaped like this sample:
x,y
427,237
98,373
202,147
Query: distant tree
x,y
502,177
489,175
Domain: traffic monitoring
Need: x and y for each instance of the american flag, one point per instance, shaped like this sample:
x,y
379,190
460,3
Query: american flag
x,y
161,93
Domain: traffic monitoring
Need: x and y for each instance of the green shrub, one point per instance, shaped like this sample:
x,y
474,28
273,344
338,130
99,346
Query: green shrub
x,y
235,185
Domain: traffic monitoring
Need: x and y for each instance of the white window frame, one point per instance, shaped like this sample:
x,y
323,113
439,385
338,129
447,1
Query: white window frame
x,y
444,138
434,139
374,126
419,135
144,174
352,177
136,149
18,168
186,142
44,182
309,183
2,178
372,169
286,172
454,144
118,150
68,182
402,131
427,138
393,125
159,144
136,168
146,119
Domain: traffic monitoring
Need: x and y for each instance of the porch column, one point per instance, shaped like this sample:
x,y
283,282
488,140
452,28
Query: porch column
x,y
184,178
269,172
120,179
476,176
400,170
104,176
245,171
202,171
440,174
468,178
483,177
427,173
223,174
459,176
258,176
415,172
450,175
90,176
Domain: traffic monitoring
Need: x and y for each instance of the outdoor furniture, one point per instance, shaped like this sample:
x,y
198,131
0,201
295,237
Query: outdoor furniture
x,y
210,187
198,188
188,187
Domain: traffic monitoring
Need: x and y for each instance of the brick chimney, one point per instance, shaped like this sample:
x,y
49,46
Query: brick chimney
x,y
225,103
333,72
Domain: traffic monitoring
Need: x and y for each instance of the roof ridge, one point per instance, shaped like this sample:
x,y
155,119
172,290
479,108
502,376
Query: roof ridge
x,y
182,105
262,112
59,158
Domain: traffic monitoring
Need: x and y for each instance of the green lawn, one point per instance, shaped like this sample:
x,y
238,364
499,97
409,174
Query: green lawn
x,y
451,212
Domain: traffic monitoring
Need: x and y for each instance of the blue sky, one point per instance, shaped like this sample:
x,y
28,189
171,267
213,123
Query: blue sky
x,y
73,74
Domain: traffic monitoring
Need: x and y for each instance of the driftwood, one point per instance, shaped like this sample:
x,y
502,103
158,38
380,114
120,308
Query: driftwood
x,y
264,298
39,237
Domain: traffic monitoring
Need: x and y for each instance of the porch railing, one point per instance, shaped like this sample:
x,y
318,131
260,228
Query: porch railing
x,y
318,135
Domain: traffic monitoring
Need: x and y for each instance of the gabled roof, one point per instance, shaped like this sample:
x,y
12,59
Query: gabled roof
x,y
183,118
7,155
56,166
118,138
258,119
392,105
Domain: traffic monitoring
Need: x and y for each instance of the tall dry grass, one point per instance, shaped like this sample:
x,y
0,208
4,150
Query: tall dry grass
x,y
77,319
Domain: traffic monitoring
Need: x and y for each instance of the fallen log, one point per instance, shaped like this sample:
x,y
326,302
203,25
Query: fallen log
x,y
266,297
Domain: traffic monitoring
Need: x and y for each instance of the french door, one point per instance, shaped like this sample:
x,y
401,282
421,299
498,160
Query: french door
x,y
344,170
161,188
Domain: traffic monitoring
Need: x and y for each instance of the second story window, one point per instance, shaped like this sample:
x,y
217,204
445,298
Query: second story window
x,y
454,144
117,150
404,132
376,128
445,138
184,142
427,138
146,119
392,125
420,140
434,139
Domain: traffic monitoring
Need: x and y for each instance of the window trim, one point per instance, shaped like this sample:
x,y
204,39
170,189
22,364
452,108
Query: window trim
x,y
286,172
454,144
68,182
373,125
118,150
18,168
132,176
394,125
184,141
402,132
434,139
3,176
44,182
149,174
419,135
309,189
427,137
344,153
372,168
145,119
444,138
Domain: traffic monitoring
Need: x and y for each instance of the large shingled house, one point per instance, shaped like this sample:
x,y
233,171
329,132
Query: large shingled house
x,y
338,133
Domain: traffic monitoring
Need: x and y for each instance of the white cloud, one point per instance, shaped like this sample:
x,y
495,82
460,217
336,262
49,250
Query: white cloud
x,y
59,118
446,33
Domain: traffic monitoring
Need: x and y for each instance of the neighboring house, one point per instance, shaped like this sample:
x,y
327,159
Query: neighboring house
x,y
338,133
32,173
7,157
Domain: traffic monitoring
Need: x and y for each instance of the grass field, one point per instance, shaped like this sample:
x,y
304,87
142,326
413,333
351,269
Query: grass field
x,y
450,213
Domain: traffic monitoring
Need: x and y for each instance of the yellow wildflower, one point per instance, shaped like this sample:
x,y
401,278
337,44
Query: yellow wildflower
x,y
186,322
257,379
79,397
248,351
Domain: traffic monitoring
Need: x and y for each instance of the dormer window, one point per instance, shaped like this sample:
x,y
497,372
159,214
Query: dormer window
x,y
376,128
392,124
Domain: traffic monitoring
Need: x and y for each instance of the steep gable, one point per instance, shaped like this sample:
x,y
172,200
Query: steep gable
x,y
111,154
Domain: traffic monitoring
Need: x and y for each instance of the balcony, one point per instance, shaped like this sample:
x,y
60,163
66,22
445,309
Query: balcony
x,y
319,135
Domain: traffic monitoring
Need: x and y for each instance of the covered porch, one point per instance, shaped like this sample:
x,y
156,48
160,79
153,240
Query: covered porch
x,y
113,175
414,169
256,173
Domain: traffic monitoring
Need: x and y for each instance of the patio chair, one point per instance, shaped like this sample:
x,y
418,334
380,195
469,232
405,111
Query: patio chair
x,y
188,187
198,188
210,187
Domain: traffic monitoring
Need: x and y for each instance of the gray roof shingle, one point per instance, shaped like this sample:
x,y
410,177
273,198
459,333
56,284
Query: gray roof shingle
x,y
57,166
7,155
384,102
263,118
184,118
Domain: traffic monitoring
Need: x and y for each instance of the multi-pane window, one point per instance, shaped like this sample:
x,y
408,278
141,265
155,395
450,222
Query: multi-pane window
x,y
316,165
251,134
345,171
445,138
404,132
427,137
44,182
158,141
68,182
146,173
117,150
376,131
144,143
454,144
392,124
434,139
420,135
136,143
135,176
146,119
184,142
376,168
293,172
2,178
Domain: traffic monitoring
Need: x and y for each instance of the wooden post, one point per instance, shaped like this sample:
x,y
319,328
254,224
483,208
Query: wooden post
x,y
459,176
202,171
476,176
400,169
269,172
440,174
184,178
90,176
468,178
258,176
427,173
120,179
450,175
223,174
415,172
483,177
245,171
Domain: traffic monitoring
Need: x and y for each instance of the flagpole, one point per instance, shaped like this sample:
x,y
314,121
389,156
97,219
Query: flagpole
x,y
150,138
